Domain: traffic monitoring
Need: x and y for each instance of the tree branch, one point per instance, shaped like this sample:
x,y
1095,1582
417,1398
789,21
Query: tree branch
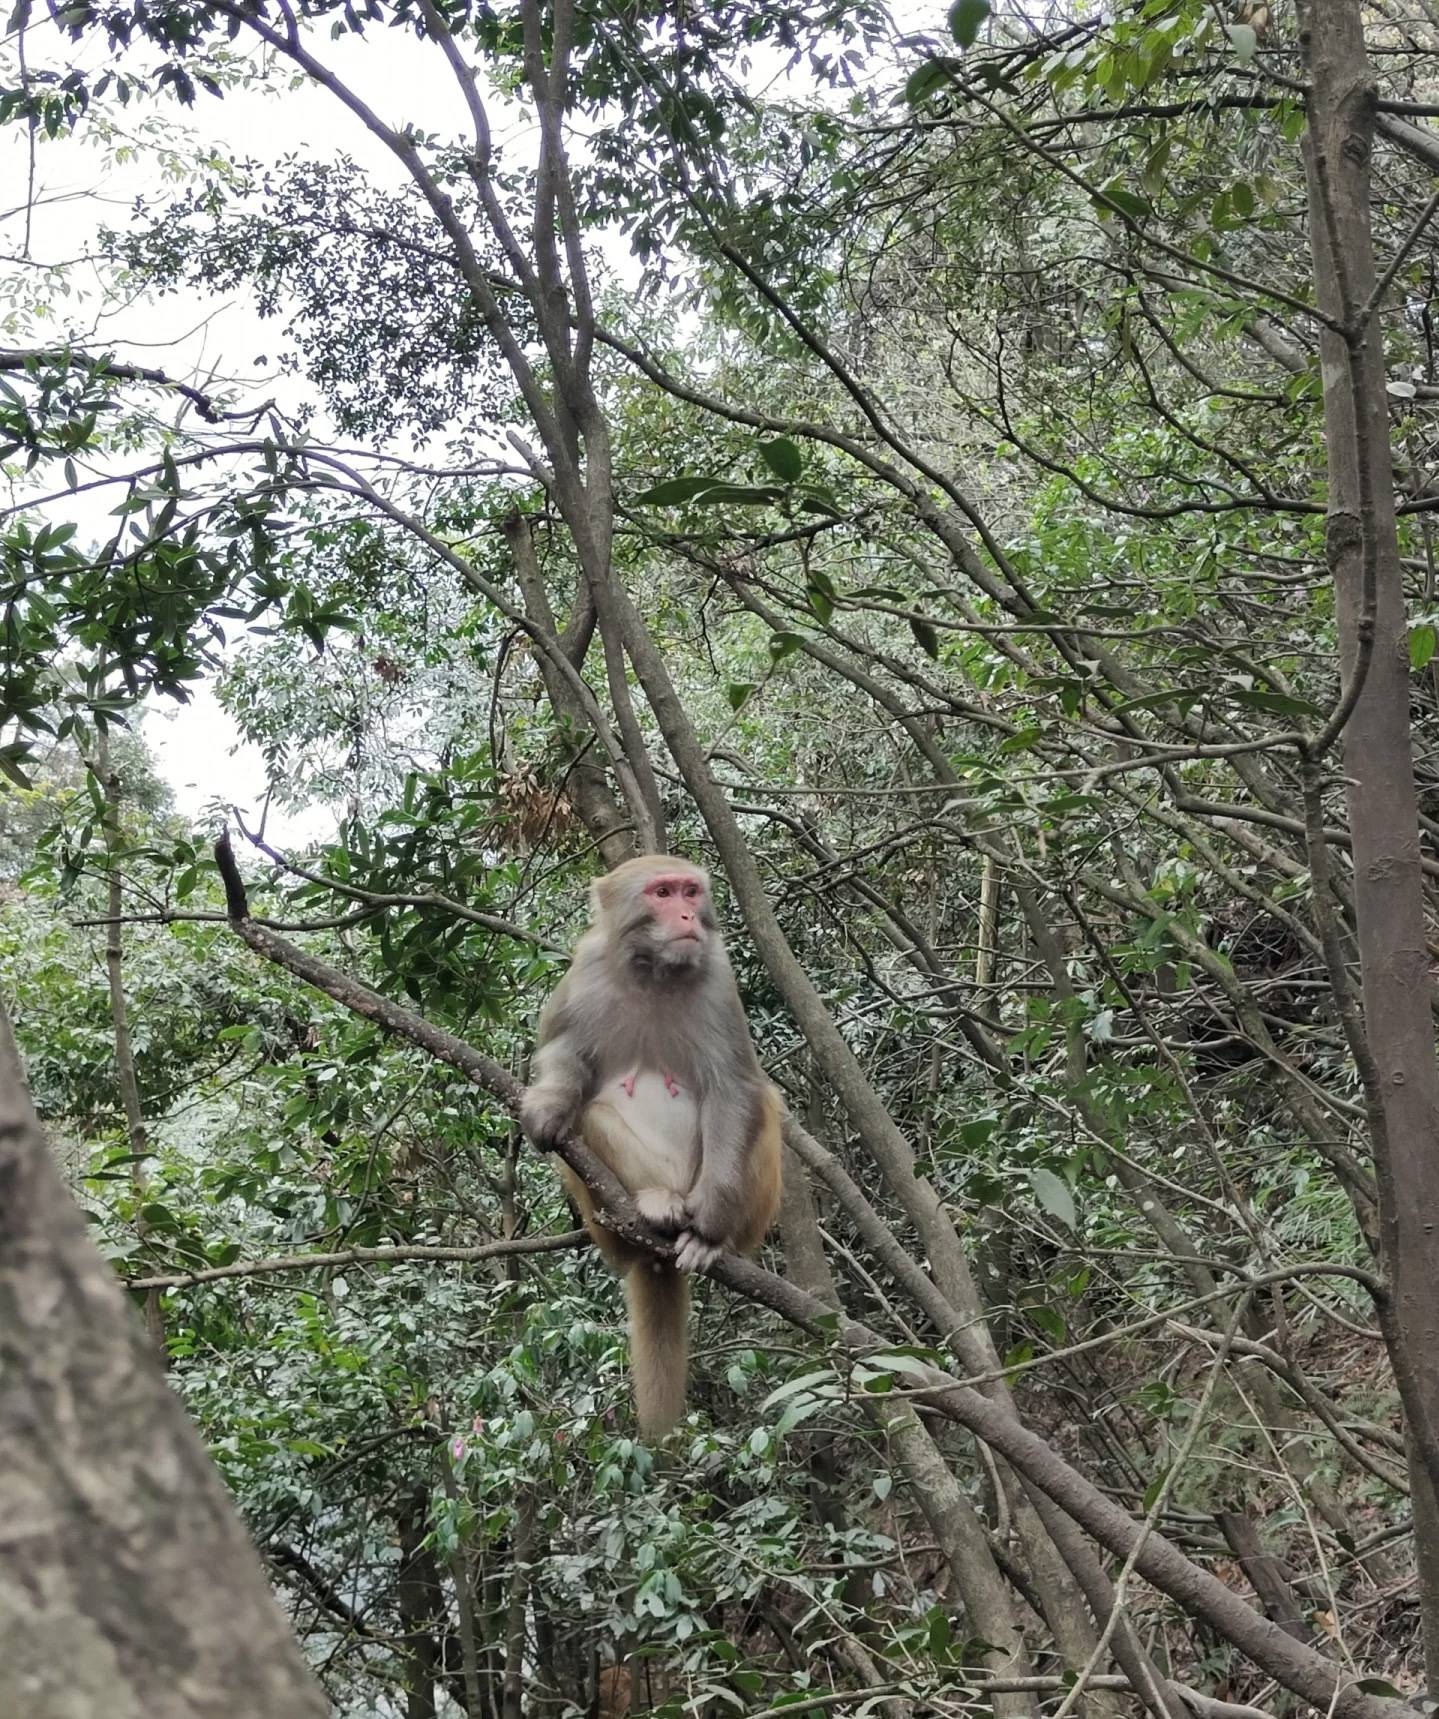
x,y
360,1256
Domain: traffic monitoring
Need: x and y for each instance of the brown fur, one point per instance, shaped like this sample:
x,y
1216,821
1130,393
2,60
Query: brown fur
x,y
657,1295
637,1002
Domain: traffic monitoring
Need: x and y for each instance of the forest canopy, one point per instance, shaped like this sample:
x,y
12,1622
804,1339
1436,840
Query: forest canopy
x,y
964,477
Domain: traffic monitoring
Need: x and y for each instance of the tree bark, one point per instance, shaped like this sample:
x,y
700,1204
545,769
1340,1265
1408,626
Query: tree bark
x,y
128,1586
1396,1056
126,1076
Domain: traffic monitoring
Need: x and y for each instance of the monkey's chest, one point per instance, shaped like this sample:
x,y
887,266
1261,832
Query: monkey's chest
x,y
658,1110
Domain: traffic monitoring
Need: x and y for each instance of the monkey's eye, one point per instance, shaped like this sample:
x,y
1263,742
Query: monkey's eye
x,y
662,889
692,890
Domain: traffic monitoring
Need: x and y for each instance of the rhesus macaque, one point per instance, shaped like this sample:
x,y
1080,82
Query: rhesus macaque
x,y
644,1050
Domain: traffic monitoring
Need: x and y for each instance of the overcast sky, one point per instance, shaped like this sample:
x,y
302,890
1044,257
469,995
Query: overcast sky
x,y
79,186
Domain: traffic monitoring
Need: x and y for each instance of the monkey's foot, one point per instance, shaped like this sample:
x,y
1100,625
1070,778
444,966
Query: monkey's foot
x,y
661,1209
672,1086
628,1084
694,1253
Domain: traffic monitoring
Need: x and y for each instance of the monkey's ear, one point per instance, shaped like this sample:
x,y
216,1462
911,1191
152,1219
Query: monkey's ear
x,y
599,898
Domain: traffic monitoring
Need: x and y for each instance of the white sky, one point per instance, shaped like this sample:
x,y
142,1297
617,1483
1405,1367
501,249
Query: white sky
x,y
79,186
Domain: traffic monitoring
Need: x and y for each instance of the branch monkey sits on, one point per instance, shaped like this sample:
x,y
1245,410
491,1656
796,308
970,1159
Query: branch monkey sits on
x,y
644,1050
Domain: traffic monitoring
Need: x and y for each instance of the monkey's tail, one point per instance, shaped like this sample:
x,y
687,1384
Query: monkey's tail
x,y
659,1303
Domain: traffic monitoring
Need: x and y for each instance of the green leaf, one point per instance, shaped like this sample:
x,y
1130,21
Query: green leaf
x,y
965,18
1157,700
738,692
1422,641
795,1386
1053,1195
1152,175
883,1485
817,499
1378,1686
924,80
925,636
1125,200
1049,1322
783,458
675,490
10,768
799,1410
782,645
1152,1491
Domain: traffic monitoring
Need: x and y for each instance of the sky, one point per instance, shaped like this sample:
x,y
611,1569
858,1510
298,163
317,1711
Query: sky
x,y
78,186
197,746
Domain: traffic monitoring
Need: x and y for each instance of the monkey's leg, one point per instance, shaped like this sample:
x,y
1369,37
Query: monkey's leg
x,y
636,1147
637,1165
656,1294
763,1178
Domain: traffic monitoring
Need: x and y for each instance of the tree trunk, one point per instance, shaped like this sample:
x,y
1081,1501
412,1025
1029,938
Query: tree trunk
x,y
126,1077
128,1586
953,1520
421,1607
1401,1080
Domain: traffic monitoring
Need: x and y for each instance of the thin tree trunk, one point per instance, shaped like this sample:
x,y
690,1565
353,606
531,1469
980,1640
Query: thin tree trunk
x,y
517,1604
961,1535
126,1077
128,1585
1395,1051
421,1607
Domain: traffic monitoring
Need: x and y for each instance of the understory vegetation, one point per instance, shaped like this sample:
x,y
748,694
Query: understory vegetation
x,y
968,479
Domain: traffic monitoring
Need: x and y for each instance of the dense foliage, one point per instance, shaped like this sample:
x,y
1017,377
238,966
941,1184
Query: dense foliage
x,y
942,408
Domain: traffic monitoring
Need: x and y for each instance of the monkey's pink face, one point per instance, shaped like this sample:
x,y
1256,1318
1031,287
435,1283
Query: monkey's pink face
x,y
675,901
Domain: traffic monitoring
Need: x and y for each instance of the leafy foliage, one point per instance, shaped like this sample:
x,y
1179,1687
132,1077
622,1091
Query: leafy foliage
x,y
962,445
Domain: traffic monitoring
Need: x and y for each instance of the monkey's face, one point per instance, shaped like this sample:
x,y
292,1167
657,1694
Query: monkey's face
x,y
672,922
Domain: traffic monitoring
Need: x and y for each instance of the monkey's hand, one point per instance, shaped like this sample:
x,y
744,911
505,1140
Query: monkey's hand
x,y
702,1240
547,1116
694,1253
661,1209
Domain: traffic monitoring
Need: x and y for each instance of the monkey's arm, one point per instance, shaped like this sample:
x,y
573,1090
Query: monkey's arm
x,y
733,1116
562,1078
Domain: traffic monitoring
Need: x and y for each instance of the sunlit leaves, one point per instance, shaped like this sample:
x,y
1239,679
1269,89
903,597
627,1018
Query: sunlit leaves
x,y
1054,1196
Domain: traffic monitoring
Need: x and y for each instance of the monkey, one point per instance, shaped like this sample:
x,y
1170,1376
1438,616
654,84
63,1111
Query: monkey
x,y
644,1051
